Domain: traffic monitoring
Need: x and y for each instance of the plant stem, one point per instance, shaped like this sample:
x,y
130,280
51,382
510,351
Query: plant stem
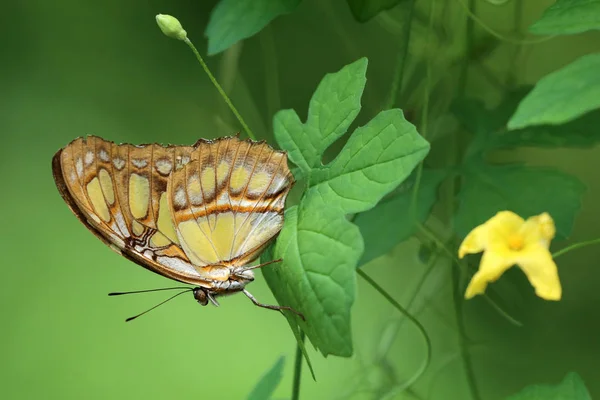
x,y
575,246
297,371
408,315
462,80
444,247
469,10
462,336
401,60
517,21
271,74
220,89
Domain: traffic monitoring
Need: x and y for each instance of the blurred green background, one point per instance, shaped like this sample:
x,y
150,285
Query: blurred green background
x,y
71,68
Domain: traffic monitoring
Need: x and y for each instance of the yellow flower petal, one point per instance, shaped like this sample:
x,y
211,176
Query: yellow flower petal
x,y
474,242
539,229
537,263
495,231
493,264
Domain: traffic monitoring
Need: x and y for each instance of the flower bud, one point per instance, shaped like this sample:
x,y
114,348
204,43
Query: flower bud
x,y
171,26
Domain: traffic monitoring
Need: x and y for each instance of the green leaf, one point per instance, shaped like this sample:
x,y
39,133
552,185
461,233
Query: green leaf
x,y
390,222
268,383
566,17
524,190
320,250
571,388
332,108
479,120
376,159
561,96
364,10
582,132
488,127
234,20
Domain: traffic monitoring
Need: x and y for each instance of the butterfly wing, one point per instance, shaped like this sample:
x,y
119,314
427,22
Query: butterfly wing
x,y
177,209
119,193
228,202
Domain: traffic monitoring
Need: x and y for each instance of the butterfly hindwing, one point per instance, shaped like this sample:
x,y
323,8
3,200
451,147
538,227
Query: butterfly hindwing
x,y
228,201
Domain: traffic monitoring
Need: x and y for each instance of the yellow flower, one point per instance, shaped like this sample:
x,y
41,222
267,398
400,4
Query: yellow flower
x,y
506,239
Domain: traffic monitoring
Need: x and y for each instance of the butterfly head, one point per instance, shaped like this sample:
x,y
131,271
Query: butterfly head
x,y
201,295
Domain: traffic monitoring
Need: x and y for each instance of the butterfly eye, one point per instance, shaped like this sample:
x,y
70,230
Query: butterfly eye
x,y
200,296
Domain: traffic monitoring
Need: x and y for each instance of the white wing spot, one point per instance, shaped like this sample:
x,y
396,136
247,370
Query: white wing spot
x,y
121,224
89,158
178,265
164,166
139,162
103,155
79,167
119,163
194,189
180,197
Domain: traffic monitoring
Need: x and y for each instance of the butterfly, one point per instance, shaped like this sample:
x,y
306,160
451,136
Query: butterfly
x,y
197,214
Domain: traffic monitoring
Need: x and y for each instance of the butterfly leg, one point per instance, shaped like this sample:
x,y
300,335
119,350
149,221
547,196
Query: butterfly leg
x,y
262,265
271,307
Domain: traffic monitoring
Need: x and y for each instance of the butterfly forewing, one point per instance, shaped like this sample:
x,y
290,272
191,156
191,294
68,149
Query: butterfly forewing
x,y
177,210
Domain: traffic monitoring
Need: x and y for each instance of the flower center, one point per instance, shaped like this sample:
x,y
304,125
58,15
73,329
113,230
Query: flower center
x,y
516,242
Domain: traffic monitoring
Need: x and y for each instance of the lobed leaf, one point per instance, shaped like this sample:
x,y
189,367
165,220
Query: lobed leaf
x,y
376,159
566,17
390,222
319,246
333,107
561,96
571,388
320,251
234,20
268,382
524,190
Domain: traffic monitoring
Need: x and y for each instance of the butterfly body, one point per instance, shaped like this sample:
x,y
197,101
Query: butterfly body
x,y
197,214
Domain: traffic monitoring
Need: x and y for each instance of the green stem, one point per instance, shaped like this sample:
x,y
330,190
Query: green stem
x,y
433,237
424,113
271,74
220,89
412,319
441,245
297,370
462,336
401,60
575,246
517,21
469,10
462,80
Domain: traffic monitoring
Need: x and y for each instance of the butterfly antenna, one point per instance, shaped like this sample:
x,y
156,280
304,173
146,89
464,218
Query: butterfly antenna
x,y
159,304
147,291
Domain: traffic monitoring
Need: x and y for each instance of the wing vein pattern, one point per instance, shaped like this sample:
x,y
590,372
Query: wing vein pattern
x,y
177,210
